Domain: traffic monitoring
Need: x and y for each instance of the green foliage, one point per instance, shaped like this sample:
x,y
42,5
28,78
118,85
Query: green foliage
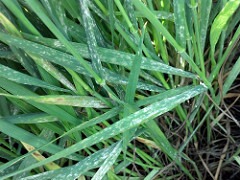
x,y
103,89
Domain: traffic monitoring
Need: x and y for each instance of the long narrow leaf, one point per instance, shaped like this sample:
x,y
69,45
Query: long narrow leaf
x,y
112,156
79,101
220,21
19,77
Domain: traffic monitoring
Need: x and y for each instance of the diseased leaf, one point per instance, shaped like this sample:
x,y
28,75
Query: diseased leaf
x,y
31,118
78,101
180,22
112,156
205,9
19,77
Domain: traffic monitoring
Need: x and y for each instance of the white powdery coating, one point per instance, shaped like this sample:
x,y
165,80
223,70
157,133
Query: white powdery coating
x,y
181,32
43,120
108,162
57,44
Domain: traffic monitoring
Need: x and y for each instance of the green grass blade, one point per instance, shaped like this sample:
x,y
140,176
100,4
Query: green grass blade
x,y
19,77
220,22
68,100
205,9
164,15
47,66
151,175
125,16
112,156
4,111
131,89
233,23
8,25
160,28
226,54
180,22
33,118
231,77
72,7
135,72
237,158
89,26
161,96
99,30
111,19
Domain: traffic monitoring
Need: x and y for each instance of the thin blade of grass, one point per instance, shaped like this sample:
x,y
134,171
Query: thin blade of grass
x,y
112,156
89,26
220,22
131,89
151,175
205,9
226,54
111,19
68,100
10,74
180,22
233,23
135,72
158,136
47,66
9,27
72,7
237,158
33,118
164,15
231,77
4,104
151,99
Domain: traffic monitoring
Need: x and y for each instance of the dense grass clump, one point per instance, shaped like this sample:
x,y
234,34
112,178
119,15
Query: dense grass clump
x,y
113,89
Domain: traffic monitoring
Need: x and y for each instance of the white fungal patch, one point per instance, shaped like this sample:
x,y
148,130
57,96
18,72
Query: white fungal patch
x,y
57,44
181,32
